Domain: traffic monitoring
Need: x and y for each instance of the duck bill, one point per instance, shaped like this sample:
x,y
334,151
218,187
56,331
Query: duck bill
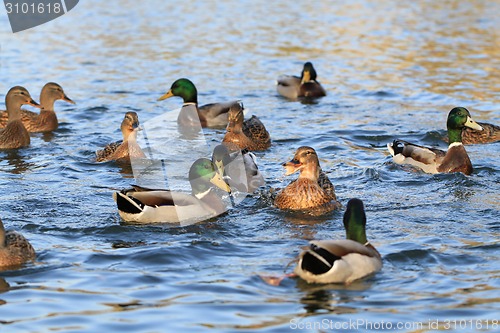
x,y
67,99
472,124
306,77
292,167
220,183
167,95
33,103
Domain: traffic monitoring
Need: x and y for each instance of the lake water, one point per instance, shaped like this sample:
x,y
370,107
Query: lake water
x,y
391,70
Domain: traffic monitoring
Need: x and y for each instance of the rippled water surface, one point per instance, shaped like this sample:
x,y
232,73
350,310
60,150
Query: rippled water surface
x,y
391,69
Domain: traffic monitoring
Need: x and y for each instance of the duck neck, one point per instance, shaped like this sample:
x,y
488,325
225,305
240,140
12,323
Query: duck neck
x,y
310,171
454,135
354,226
13,110
46,102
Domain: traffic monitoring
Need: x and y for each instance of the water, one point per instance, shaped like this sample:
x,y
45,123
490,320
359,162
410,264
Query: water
x,y
390,69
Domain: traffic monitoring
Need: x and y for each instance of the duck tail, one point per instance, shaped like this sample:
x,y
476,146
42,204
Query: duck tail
x,y
128,204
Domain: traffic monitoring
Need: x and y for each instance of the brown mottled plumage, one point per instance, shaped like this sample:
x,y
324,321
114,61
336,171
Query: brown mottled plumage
x,y
15,250
312,190
47,120
15,135
250,134
123,150
293,87
489,134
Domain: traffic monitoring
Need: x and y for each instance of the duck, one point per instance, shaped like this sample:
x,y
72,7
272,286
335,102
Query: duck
x,y
341,261
46,121
312,190
432,160
250,134
15,135
238,167
15,250
293,87
489,134
126,149
214,115
144,205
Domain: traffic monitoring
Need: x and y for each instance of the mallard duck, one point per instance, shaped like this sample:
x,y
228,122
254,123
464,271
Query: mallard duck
x,y
248,134
47,120
239,166
489,134
209,115
312,190
15,250
341,261
144,205
293,87
15,135
126,149
432,160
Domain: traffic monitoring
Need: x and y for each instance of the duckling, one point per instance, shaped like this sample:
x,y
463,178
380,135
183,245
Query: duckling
x,y
432,160
126,149
46,121
15,250
312,190
144,205
209,115
293,87
341,261
250,134
243,173
15,135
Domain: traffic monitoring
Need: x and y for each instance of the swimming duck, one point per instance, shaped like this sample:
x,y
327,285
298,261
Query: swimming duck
x,y
15,135
126,149
312,190
250,134
432,160
47,120
144,205
209,115
230,161
489,134
341,261
15,250
292,87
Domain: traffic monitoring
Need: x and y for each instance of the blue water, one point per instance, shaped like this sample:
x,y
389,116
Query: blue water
x,y
391,70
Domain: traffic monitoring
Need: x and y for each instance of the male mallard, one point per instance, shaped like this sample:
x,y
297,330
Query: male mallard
x,y
341,261
433,160
147,206
209,115
312,190
292,87
15,135
250,134
47,120
14,248
126,149
243,173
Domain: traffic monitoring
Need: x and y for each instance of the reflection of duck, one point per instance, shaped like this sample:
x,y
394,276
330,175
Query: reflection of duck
x,y
47,120
312,190
15,135
126,149
292,87
147,205
209,115
15,250
248,134
341,261
433,160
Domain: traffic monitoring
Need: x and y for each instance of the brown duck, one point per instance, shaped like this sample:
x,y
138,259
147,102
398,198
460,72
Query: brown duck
x,y
15,135
312,190
15,250
489,134
126,149
250,134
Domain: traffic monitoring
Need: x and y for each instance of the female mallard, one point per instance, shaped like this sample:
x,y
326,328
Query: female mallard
x,y
312,190
147,206
433,160
341,261
242,172
209,115
250,134
489,134
126,149
47,120
15,250
15,135
293,87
